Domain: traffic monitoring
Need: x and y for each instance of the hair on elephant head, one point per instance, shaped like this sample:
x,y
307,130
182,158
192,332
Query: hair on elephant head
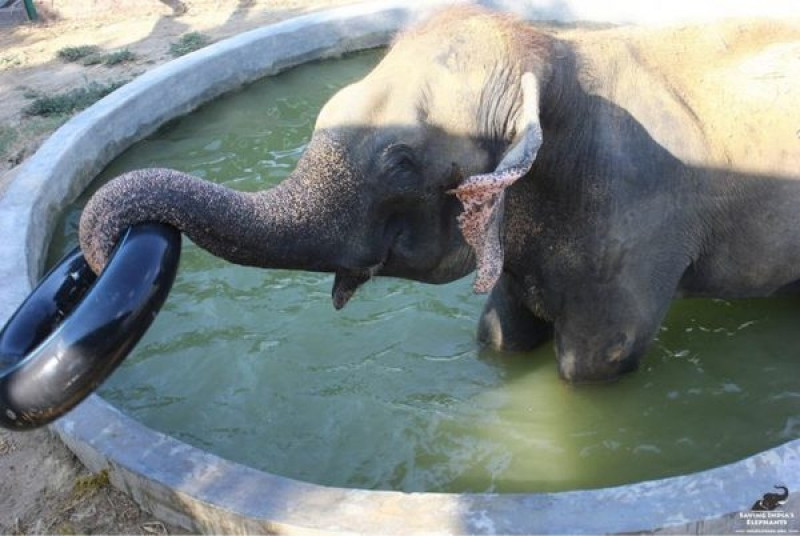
x,y
560,166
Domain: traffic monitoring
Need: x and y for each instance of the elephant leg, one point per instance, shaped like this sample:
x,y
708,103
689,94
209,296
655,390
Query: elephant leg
x,y
605,329
506,324
605,324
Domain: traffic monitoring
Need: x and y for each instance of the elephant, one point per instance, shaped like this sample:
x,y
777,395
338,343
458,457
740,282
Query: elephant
x,y
771,501
588,176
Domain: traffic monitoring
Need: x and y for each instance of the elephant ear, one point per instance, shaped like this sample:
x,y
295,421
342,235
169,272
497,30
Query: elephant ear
x,y
483,195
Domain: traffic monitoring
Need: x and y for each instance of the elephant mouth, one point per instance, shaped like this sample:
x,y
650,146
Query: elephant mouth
x,y
347,282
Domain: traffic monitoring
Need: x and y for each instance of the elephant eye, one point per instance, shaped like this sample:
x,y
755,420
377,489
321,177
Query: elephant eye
x,y
399,159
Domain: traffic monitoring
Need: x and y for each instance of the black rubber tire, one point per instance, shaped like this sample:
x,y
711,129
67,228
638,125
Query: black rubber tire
x,y
73,331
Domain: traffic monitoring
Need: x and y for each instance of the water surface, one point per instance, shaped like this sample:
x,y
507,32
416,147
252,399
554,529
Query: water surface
x,y
393,392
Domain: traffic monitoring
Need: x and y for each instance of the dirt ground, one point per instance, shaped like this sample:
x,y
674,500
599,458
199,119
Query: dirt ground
x,y
30,67
43,488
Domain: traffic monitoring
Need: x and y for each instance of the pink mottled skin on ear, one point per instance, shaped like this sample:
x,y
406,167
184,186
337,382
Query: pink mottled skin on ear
x,y
481,196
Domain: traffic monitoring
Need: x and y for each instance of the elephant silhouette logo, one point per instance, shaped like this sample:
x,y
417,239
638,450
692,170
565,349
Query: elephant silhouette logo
x,y
770,501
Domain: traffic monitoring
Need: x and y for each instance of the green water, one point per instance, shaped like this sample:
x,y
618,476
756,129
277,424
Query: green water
x,y
392,392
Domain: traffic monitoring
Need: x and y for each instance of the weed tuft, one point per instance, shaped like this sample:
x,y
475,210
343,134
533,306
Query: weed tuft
x,y
70,101
76,54
92,55
188,43
11,60
94,59
8,136
120,56
87,485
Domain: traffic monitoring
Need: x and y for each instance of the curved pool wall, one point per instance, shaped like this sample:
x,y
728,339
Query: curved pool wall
x,y
189,487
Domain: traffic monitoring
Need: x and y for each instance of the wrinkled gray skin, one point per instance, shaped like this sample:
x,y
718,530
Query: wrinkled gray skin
x,y
601,178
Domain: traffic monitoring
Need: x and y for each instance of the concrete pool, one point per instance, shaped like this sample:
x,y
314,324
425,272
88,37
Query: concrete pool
x,y
201,491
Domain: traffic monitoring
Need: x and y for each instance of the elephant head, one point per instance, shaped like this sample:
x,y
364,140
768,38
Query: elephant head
x,y
404,175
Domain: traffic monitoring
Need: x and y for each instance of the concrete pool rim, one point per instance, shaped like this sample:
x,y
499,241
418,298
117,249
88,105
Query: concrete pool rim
x,y
200,491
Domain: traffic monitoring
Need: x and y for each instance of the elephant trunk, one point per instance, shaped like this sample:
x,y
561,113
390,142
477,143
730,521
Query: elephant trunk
x,y
270,229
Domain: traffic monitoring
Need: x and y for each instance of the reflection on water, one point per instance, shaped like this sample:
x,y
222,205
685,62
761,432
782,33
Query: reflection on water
x,y
392,392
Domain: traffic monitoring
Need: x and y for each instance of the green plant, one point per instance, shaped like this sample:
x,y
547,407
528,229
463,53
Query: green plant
x,y
120,56
8,136
94,59
10,60
75,54
188,43
89,484
29,93
92,55
70,101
